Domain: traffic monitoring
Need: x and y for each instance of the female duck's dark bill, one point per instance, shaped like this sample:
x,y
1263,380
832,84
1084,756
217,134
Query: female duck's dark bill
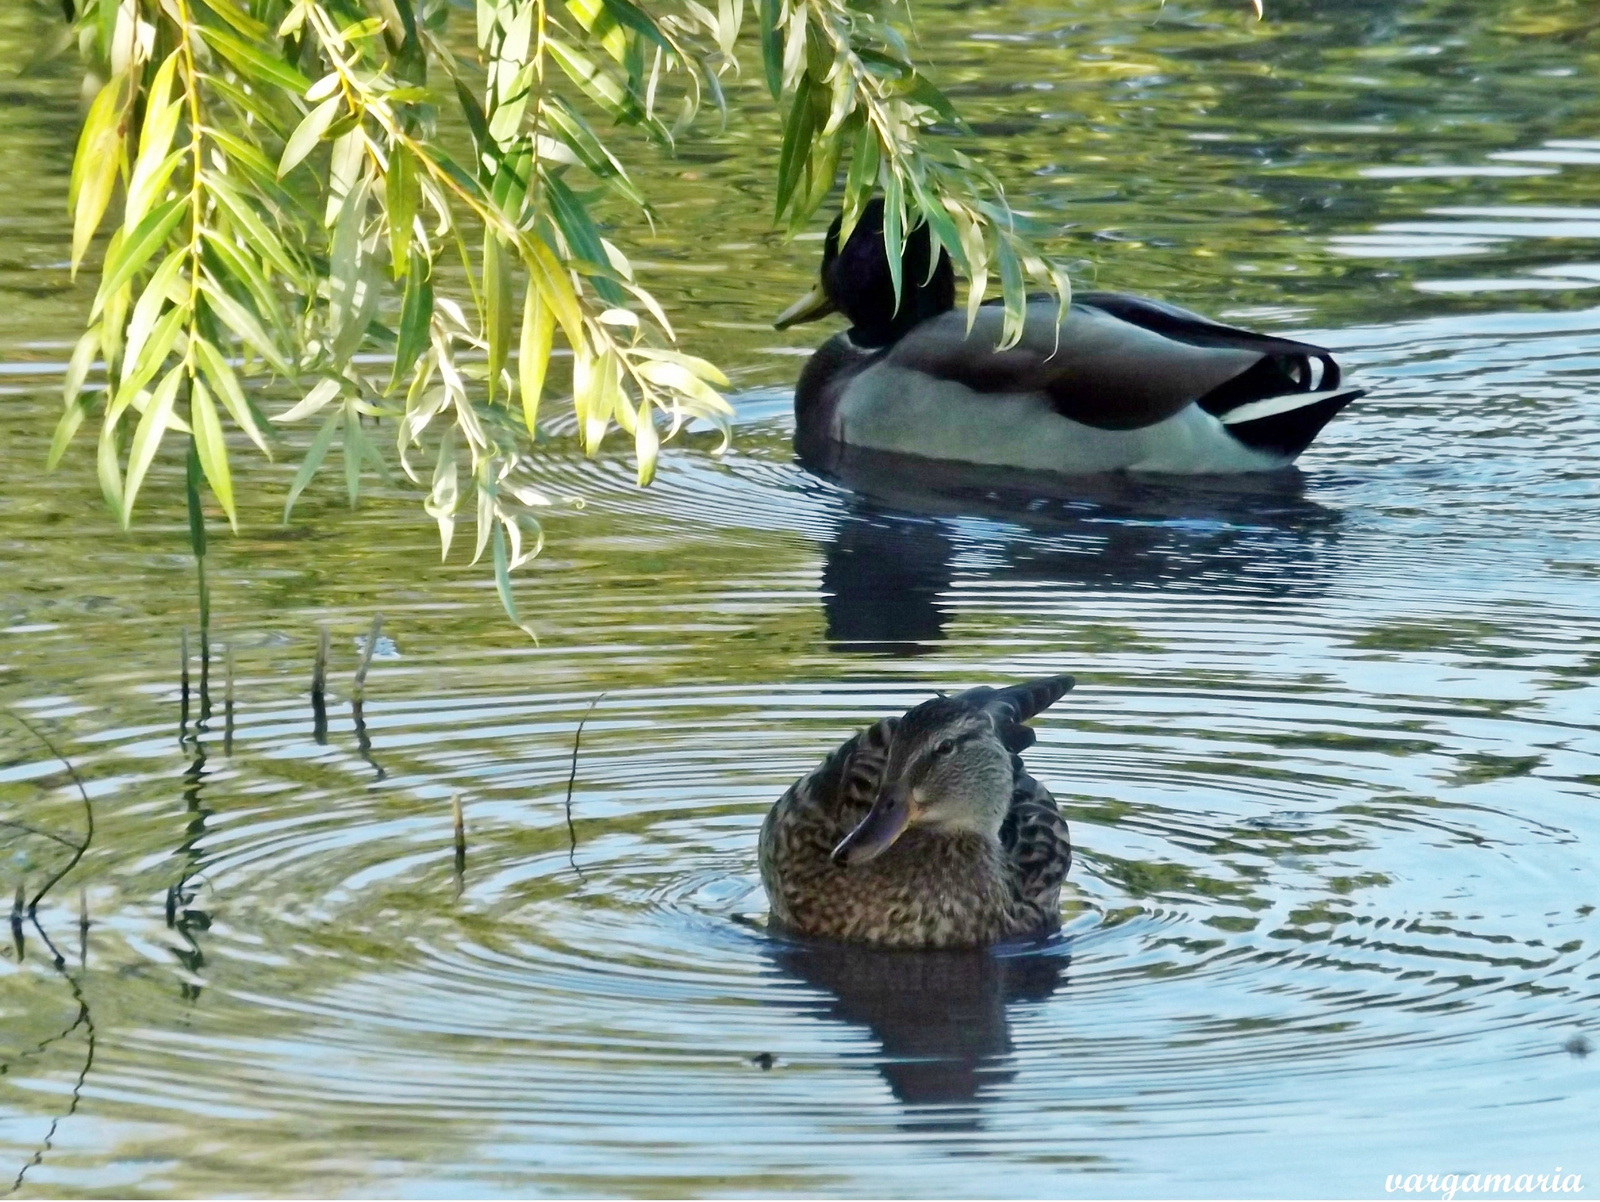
x,y
885,822
809,307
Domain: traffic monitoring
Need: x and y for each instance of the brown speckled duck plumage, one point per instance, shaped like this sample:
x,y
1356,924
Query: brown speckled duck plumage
x,y
923,831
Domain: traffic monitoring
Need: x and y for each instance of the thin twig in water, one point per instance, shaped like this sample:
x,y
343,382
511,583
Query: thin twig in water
x,y
88,813
366,653
319,682
572,778
183,685
227,699
461,838
84,1018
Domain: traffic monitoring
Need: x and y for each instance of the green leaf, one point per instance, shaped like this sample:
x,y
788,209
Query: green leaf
x,y
497,302
798,131
502,575
148,309
250,226
555,289
894,241
78,366
533,357
416,314
1013,292
66,428
581,234
192,477
771,16
315,454
257,66
923,92
211,447
108,469
147,438
94,167
151,356
595,81
862,177
228,263
308,133
476,122
353,444
401,196
646,443
630,16
226,385
243,323
137,249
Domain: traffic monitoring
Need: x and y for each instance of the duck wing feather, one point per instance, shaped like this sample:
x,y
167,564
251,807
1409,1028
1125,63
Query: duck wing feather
x,y
1117,362
1038,851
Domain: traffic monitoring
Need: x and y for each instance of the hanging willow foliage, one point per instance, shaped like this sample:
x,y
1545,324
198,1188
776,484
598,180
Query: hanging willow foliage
x,y
289,208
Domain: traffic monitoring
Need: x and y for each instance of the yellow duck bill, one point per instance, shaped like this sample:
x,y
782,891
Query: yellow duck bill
x,y
885,822
809,307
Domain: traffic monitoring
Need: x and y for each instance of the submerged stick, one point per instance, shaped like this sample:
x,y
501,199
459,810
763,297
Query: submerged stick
x,y
319,683
17,908
572,778
83,927
461,841
366,653
227,699
183,684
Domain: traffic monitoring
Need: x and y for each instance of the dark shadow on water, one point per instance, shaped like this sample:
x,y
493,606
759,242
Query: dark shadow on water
x,y
942,1018
911,527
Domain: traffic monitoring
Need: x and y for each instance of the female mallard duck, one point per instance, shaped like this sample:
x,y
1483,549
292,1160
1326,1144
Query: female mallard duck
x,y
1122,384
924,831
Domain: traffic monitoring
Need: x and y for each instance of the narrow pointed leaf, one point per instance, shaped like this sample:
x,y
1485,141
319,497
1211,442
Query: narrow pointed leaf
x,y
533,357
147,438
308,133
211,447
315,454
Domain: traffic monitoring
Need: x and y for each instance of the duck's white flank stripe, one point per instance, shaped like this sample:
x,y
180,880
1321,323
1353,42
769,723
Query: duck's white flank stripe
x,y
1274,405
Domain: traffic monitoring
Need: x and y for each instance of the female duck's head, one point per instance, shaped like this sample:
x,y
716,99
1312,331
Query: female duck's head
x,y
856,281
949,767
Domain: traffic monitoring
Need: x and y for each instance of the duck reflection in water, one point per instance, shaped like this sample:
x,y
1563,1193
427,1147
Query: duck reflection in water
x,y
890,563
943,1018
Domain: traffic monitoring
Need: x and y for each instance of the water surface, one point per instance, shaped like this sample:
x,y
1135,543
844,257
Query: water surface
x,y
1332,768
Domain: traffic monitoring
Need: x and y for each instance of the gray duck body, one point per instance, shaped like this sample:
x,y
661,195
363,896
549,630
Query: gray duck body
x,y
952,883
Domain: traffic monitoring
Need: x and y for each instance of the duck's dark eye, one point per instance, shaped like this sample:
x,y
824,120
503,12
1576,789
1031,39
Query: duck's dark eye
x,y
945,747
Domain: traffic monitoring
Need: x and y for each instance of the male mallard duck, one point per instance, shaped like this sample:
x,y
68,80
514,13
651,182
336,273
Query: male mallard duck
x,y
1122,384
923,830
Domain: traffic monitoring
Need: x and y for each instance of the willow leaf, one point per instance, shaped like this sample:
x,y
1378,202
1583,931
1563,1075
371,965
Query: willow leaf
x,y
151,356
147,438
315,454
1013,292
138,247
416,313
401,202
66,428
257,66
108,468
533,356
94,167
497,302
211,447
243,323
226,386
266,243
308,133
